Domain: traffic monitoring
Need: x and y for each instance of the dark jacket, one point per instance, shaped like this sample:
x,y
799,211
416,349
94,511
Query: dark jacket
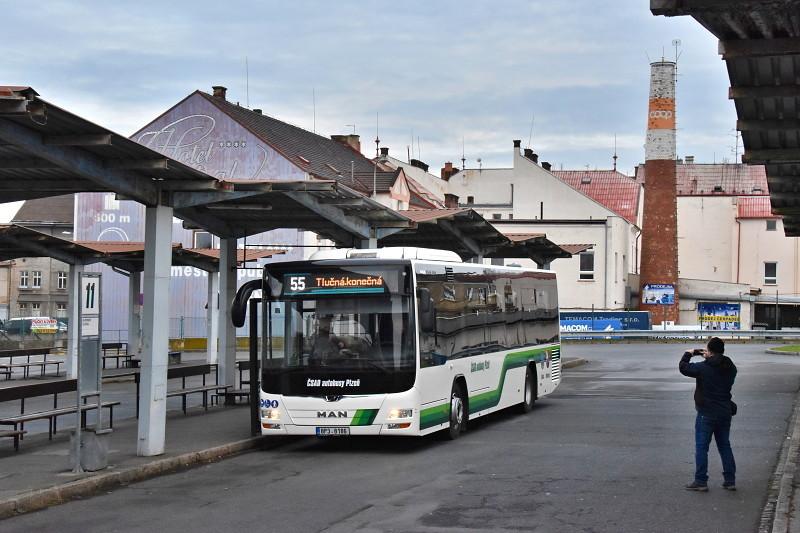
x,y
715,377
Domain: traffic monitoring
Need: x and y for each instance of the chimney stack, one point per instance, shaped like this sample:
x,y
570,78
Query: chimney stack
x,y
530,155
517,143
546,166
353,141
450,201
659,269
219,91
419,164
257,111
689,160
384,152
448,171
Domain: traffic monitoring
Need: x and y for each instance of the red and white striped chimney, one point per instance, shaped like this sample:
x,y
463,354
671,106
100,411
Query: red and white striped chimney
x,y
659,264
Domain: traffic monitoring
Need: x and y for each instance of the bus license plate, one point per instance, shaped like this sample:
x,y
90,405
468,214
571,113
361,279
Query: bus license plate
x,y
332,431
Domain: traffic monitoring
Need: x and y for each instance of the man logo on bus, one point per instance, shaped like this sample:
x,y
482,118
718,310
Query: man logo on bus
x,y
269,404
331,414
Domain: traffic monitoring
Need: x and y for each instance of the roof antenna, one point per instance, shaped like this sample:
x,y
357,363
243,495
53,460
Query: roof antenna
x,y
530,136
615,152
463,157
377,138
246,83
351,126
314,109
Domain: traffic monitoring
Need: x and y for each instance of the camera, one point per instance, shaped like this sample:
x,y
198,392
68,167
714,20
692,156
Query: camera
x,y
698,351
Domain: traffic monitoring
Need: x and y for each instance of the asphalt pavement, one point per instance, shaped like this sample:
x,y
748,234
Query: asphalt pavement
x,y
609,451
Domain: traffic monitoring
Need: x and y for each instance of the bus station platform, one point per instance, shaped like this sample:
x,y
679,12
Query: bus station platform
x,y
39,476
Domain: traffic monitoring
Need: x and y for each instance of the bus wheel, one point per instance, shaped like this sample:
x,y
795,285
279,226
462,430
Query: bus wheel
x,y
530,390
458,412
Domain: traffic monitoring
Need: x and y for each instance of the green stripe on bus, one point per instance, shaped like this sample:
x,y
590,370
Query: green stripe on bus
x,y
433,416
364,417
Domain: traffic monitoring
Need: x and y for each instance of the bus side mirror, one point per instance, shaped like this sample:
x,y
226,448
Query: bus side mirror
x,y
427,317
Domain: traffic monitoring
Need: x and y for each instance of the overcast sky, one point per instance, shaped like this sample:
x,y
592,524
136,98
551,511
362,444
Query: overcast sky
x,y
442,71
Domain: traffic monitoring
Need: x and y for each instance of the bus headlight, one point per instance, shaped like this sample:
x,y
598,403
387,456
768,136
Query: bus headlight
x,y
272,414
396,414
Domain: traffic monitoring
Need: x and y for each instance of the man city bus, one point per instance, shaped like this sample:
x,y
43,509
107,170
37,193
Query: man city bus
x,y
400,341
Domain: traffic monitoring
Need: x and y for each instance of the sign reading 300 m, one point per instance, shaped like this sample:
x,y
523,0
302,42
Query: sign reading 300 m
x,y
332,284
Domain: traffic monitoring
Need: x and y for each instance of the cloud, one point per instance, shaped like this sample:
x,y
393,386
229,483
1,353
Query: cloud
x,y
444,70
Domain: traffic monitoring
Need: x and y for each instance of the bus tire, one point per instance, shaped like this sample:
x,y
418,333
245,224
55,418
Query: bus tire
x,y
530,390
458,412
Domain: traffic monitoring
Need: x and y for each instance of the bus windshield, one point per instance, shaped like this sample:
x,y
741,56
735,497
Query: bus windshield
x,y
337,331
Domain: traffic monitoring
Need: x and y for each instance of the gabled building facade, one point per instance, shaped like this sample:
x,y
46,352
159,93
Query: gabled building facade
x,y
529,198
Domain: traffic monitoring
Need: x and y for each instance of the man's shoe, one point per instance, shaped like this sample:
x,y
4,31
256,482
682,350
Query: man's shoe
x,y
729,486
694,485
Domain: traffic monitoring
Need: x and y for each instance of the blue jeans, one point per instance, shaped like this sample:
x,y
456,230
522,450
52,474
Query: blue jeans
x,y
720,428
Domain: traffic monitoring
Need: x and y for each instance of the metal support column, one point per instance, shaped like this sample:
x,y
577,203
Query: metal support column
x,y
155,331
134,314
73,311
212,318
227,333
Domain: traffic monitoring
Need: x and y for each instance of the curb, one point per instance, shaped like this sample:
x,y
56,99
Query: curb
x,y
780,352
777,515
40,499
572,363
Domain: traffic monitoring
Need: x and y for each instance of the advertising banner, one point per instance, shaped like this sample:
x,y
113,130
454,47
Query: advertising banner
x,y
628,319
602,324
658,294
719,316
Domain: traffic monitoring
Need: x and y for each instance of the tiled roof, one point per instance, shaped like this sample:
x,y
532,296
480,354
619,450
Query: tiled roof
x,y
315,154
716,179
424,215
55,209
610,188
754,207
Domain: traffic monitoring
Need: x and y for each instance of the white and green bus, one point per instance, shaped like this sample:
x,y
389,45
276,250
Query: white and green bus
x,y
402,341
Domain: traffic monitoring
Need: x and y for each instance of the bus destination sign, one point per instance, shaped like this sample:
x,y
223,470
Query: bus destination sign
x,y
332,284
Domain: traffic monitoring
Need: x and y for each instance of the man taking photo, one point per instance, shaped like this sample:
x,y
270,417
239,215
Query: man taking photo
x,y
714,378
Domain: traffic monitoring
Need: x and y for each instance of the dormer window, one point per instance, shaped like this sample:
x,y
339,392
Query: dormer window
x,y
586,180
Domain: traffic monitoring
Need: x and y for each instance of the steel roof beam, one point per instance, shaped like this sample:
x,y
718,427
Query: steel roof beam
x,y
468,242
775,155
85,164
768,124
764,91
25,163
139,164
101,139
356,227
184,199
40,250
759,47
672,8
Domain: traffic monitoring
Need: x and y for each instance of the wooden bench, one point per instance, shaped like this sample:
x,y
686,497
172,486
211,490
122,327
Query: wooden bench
x,y
55,387
8,367
118,353
184,372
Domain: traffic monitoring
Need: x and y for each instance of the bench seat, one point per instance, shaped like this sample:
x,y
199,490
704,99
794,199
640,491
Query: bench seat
x,y
13,433
19,420
204,389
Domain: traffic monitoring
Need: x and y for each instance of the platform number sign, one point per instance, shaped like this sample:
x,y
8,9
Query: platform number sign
x,y
90,305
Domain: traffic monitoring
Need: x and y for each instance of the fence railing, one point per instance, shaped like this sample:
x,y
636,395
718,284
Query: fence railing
x,y
661,334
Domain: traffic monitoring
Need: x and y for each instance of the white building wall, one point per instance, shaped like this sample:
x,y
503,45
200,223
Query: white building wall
x,y
706,237
760,246
611,244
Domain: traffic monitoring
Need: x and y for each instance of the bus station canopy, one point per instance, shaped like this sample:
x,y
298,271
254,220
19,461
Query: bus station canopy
x,y
48,151
18,241
760,43
466,232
